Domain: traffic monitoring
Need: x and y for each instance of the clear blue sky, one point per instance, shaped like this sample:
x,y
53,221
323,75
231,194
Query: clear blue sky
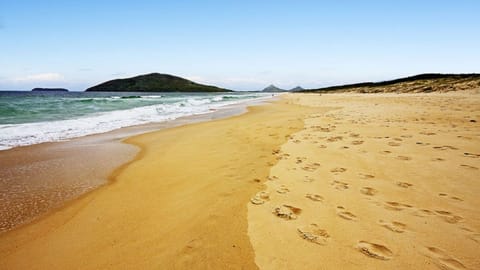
x,y
243,45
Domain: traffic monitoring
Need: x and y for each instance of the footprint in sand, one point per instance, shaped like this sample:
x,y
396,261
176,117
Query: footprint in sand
x,y
300,160
471,155
396,206
272,178
357,142
437,159
322,146
474,236
445,147
427,133
354,135
442,260
423,213
405,158
404,184
283,157
338,170
335,138
393,226
311,167
314,197
339,185
368,191
366,176
456,198
445,195
287,212
283,189
394,144
448,216
257,180
386,152
468,167
341,212
260,198
313,233
325,129
375,251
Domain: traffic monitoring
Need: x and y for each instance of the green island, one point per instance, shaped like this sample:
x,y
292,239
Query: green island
x,y
154,82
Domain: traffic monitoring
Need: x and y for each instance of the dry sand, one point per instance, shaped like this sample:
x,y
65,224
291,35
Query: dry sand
x,y
343,181
385,182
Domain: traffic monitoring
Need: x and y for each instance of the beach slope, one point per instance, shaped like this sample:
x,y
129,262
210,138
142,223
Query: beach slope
x,y
182,204
331,181
386,181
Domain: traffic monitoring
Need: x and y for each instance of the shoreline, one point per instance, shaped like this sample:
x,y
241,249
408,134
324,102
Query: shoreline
x,y
188,214
382,181
42,178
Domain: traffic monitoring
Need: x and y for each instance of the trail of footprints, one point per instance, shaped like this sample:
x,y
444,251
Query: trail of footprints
x,y
315,234
441,259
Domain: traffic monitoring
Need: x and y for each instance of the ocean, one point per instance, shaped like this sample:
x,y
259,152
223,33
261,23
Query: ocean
x,y
34,117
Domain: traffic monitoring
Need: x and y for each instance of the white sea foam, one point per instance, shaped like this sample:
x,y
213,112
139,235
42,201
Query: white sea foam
x,y
12,135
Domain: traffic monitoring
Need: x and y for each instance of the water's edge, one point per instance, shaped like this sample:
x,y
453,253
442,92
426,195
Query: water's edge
x,y
37,180
27,119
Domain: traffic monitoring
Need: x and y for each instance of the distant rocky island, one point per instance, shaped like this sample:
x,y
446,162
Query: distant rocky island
x,y
273,88
298,88
49,89
422,83
154,82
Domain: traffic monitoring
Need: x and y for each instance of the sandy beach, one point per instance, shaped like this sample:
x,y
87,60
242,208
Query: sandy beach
x,y
331,181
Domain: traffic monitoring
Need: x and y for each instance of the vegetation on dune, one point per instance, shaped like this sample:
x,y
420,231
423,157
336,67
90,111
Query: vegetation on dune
x,y
429,82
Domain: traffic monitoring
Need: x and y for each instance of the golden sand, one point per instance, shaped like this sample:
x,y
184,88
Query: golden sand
x,y
182,204
341,181
384,182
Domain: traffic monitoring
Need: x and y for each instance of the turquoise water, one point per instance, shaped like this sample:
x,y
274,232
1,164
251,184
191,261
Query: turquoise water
x,y
34,117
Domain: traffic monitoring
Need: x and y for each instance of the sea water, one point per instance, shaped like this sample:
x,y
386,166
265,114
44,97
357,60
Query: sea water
x,y
34,117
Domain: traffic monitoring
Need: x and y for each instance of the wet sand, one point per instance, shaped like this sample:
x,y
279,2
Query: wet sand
x,y
337,181
181,204
37,179
40,178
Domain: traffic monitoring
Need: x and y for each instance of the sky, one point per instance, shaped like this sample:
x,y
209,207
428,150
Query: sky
x,y
240,45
